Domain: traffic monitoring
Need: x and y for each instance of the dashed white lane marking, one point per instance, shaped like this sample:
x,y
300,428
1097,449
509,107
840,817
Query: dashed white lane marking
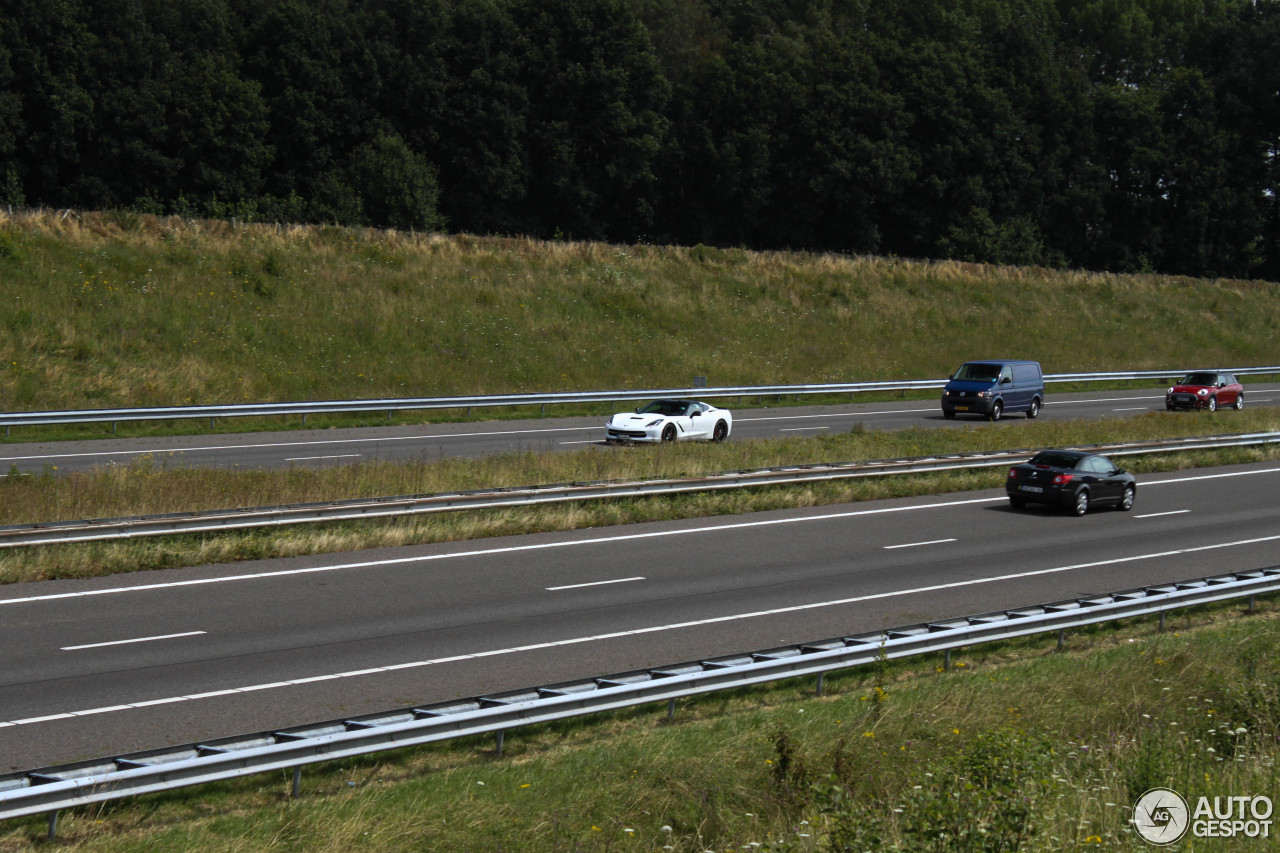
x,y
310,458
918,544
593,583
134,640
595,638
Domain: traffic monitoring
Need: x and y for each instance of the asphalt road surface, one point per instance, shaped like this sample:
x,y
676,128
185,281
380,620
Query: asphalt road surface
x,y
471,440
107,665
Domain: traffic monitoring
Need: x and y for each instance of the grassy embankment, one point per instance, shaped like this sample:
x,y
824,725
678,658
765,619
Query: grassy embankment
x,y
124,310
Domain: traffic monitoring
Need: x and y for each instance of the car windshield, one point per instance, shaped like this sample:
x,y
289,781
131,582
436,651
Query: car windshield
x,y
978,372
666,408
1052,459
1199,379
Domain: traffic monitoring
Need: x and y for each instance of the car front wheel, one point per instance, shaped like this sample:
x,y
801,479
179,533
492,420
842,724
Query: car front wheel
x,y
997,409
1081,505
669,433
1212,405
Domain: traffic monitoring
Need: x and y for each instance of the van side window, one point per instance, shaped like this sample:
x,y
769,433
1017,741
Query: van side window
x,y
1006,373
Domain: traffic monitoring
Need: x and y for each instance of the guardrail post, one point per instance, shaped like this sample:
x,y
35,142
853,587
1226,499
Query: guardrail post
x,y
1060,633
946,660
297,782
53,824
820,676
1161,628
671,708
502,735
113,427
1251,604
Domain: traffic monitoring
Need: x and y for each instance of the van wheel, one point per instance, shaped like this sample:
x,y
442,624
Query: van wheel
x,y
997,409
1034,410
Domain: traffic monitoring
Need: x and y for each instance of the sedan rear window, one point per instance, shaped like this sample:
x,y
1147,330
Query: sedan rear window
x,y
1056,460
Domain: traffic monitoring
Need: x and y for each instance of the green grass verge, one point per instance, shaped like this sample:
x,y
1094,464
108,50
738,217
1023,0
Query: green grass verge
x,y
1016,747
147,487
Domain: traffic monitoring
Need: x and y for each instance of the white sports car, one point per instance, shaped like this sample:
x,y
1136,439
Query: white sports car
x,y
670,420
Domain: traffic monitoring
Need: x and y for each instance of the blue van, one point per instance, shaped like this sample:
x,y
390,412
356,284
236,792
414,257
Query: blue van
x,y
993,387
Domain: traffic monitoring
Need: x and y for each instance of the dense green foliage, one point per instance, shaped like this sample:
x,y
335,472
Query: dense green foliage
x,y
1128,135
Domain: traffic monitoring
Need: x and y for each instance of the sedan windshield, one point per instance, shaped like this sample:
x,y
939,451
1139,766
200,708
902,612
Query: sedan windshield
x,y
1199,379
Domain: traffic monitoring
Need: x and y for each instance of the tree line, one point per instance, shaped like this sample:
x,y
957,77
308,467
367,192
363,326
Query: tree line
x,y
1127,135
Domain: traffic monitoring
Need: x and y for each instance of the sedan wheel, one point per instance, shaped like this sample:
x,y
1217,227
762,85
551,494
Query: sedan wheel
x,y
721,432
669,432
1016,503
1213,404
1239,402
1082,502
1126,500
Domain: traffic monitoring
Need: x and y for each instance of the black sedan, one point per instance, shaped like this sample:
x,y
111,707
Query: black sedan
x,y
1070,478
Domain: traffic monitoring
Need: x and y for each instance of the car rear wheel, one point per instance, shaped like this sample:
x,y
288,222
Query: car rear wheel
x,y
669,432
1212,405
721,432
1126,499
1239,402
1016,503
997,409
1034,410
1081,505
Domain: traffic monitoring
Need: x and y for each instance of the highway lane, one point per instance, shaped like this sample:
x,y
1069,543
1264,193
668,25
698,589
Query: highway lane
x,y
311,448
96,666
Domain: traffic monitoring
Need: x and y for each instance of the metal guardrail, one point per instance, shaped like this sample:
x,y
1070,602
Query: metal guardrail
x,y
395,404
65,532
53,788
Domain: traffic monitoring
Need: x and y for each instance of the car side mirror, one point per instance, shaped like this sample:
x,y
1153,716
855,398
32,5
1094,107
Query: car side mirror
x,y
636,410
694,414
1006,381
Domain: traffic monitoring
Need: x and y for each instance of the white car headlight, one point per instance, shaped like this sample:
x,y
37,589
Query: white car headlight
x,y
653,423
1203,392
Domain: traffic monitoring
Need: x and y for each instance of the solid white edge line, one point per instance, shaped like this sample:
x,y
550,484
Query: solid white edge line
x,y
134,640
1159,514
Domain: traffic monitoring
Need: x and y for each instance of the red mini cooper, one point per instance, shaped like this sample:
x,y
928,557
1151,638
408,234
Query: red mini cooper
x,y
1205,389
